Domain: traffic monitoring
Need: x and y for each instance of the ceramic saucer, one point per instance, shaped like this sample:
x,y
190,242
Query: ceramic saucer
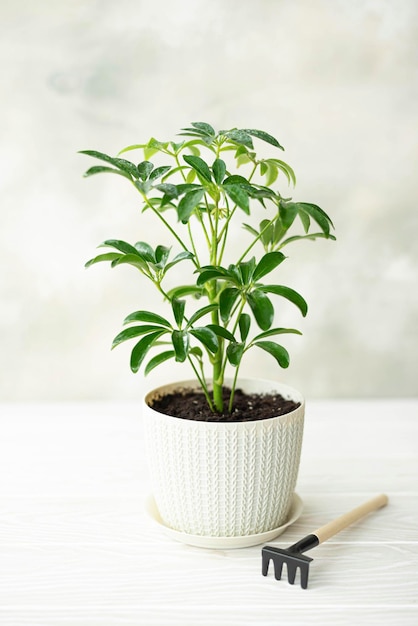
x,y
219,543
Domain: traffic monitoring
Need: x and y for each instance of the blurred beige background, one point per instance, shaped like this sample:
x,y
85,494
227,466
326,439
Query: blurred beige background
x,y
336,82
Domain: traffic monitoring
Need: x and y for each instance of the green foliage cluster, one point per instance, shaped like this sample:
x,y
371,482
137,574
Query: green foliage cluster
x,y
198,196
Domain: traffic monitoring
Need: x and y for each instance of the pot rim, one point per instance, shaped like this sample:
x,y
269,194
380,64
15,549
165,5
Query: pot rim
x,y
266,385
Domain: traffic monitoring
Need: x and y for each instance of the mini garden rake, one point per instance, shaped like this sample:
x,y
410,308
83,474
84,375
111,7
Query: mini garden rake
x,y
293,556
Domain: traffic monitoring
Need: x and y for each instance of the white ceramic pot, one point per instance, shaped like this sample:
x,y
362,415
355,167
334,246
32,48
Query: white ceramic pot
x,y
224,480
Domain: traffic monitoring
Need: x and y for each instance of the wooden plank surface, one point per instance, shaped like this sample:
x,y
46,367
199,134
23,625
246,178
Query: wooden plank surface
x,y
77,547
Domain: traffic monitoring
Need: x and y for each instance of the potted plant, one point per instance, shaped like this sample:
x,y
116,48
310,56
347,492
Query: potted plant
x,y
224,452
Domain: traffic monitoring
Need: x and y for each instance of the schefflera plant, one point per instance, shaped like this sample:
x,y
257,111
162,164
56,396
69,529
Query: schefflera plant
x,y
195,189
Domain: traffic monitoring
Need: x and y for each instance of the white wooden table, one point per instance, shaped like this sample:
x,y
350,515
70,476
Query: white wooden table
x,y
77,547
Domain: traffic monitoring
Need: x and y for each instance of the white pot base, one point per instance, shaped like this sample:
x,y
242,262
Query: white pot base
x,y
220,543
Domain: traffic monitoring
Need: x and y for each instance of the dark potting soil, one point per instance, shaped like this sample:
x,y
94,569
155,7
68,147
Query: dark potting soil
x,y
192,405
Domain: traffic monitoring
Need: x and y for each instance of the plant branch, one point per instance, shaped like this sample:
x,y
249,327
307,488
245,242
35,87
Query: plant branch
x,y
202,383
257,238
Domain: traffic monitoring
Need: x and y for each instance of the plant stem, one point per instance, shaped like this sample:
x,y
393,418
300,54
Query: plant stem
x,y
223,235
202,384
217,374
260,234
189,230
204,229
167,225
224,231
176,156
217,368
241,308
253,171
233,387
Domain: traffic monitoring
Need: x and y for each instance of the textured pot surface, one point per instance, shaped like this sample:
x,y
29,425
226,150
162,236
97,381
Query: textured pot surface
x,y
218,479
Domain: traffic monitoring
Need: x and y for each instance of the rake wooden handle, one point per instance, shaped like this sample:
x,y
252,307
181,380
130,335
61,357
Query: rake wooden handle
x,y
332,528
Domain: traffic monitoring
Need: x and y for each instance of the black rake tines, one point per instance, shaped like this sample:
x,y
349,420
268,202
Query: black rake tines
x,y
293,557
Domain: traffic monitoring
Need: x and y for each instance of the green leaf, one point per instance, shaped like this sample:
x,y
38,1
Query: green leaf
x,y
182,256
234,275
159,171
234,352
124,247
150,152
219,170
202,138
267,264
286,169
211,274
186,187
170,191
277,331
320,217
158,359
145,251
200,313
260,134
161,256
180,340
311,236
178,309
244,325
246,269
154,146
240,150
207,337
101,169
235,179
221,331
262,308
144,169
306,220
289,294
227,300
243,158
238,196
141,349
136,146
136,331
278,231
121,164
188,203
201,130
272,173
110,256
260,192
277,351
251,230
267,232
130,259
193,145
206,128
146,316
199,165
177,146
185,290
143,186
288,212
239,136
